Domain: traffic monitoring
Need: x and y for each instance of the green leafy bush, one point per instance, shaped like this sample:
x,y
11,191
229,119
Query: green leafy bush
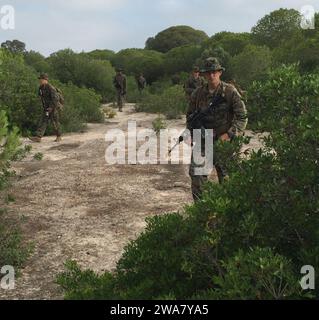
x,y
172,102
258,274
133,94
83,71
9,144
38,156
86,285
37,61
18,92
85,102
251,64
158,125
13,250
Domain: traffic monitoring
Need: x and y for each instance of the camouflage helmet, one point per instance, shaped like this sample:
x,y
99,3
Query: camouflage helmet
x,y
211,65
196,69
43,76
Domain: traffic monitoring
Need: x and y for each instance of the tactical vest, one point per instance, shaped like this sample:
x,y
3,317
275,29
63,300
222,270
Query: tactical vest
x,y
221,117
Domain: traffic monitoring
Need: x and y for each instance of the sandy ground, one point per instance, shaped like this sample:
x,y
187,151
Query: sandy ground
x,y
77,207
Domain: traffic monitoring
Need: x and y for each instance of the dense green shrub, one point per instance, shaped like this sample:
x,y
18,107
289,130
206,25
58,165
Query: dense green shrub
x,y
37,61
258,274
251,65
13,251
133,95
85,102
83,71
18,92
159,124
86,285
172,102
289,93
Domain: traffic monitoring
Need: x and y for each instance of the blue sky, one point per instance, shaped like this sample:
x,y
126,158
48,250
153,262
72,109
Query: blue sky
x,y
50,25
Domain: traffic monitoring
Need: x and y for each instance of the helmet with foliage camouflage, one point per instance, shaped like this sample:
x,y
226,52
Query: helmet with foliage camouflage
x,y
211,65
196,69
43,76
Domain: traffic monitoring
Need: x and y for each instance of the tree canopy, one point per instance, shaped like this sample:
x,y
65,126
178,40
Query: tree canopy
x,y
175,37
14,46
276,27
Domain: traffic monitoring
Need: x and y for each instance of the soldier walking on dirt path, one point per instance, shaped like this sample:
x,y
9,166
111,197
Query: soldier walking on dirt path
x,y
52,102
141,83
228,118
120,87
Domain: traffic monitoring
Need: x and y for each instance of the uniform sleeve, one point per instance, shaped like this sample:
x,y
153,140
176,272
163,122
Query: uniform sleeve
x,y
188,88
240,119
124,84
192,106
54,98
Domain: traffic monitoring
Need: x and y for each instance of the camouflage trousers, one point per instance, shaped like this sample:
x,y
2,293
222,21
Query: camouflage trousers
x,y
120,99
198,181
52,117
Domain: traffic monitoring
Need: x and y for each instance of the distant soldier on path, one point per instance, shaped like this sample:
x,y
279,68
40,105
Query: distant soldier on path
x,y
120,87
52,102
228,117
141,83
194,82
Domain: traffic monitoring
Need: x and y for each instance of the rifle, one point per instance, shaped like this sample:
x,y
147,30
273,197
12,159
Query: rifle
x,y
195,119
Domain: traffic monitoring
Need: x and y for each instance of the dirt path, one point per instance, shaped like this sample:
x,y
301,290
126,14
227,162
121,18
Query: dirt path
x,y
77,207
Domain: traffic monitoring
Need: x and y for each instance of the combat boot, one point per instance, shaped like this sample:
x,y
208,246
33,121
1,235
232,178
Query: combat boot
x,y
35,139
58,139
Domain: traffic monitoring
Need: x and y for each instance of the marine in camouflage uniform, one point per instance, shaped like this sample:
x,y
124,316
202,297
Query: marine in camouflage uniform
x,y
228,118
120,87
141,83
51,103
194,81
